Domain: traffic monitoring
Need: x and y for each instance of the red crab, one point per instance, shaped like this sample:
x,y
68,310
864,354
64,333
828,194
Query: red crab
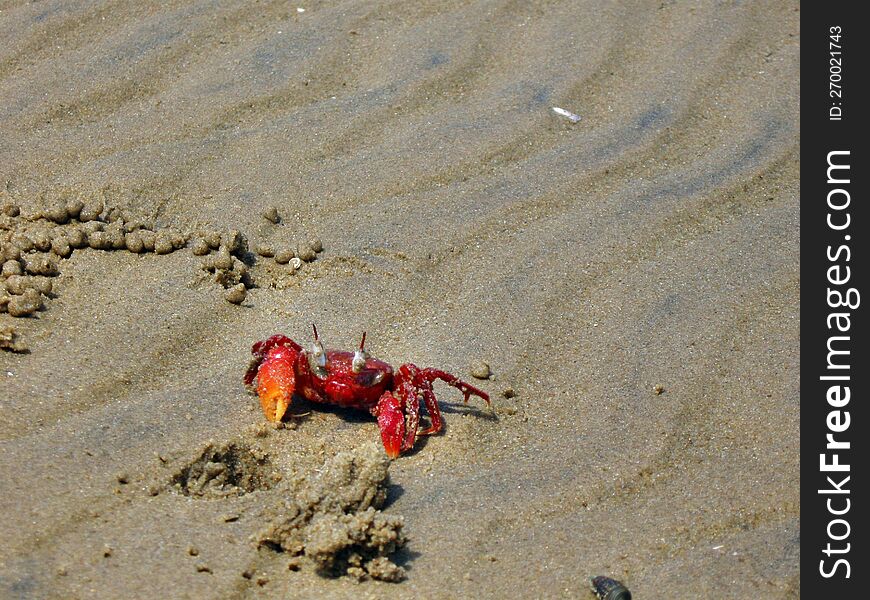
x,y
353,379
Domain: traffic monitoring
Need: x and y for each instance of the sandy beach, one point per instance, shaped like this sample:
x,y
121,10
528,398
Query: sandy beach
x,y
632,280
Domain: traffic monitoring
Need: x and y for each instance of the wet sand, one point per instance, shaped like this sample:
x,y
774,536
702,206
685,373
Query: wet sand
x,y
654,243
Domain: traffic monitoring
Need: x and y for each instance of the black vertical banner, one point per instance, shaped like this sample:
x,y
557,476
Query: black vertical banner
x,y
834,264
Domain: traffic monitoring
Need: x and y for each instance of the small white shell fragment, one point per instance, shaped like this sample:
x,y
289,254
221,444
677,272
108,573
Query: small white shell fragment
x,y
299,9
296,262
566,113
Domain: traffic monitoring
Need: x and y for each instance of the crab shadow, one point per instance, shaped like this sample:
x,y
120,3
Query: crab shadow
x,y
304,408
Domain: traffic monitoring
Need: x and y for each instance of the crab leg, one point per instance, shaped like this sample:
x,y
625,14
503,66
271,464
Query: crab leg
x,y
434,411
430,375
399,415
424,379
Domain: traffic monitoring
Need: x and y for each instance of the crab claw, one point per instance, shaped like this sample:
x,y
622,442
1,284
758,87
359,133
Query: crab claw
x,y
276,381
261,349
391,422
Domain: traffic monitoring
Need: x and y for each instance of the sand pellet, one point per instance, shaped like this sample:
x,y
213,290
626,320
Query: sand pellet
x,y
74,208
114,215
92,226
316,245
24,305
17,284
306,252
98,240
115,234
11,210
10,252
213,239
76,237
24,243
41,241
480,369
282,257
11,267
233,241
240,268
236,294
57,212
133,242
149,238
271,215
61,247
163,243
42,285
200,247
91,210
265,250
223,260
40,265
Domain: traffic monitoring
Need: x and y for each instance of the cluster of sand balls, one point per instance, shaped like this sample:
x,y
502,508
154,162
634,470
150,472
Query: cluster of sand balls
x,y
227,256
293,254
290,253
32,245
25,268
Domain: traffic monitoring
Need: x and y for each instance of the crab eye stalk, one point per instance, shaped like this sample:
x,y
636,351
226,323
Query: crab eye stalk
x,y
317,356
360,356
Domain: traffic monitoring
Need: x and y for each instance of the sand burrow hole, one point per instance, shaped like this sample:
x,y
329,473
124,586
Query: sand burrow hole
x,y
231,469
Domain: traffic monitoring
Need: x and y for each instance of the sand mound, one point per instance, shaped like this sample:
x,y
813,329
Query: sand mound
x,y
335,519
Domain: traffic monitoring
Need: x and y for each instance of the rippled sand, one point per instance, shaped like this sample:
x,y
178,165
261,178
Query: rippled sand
x,y
655,242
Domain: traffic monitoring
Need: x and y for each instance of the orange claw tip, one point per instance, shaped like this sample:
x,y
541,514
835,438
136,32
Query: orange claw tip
x,y
274,403
391,422
276,382
392,448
